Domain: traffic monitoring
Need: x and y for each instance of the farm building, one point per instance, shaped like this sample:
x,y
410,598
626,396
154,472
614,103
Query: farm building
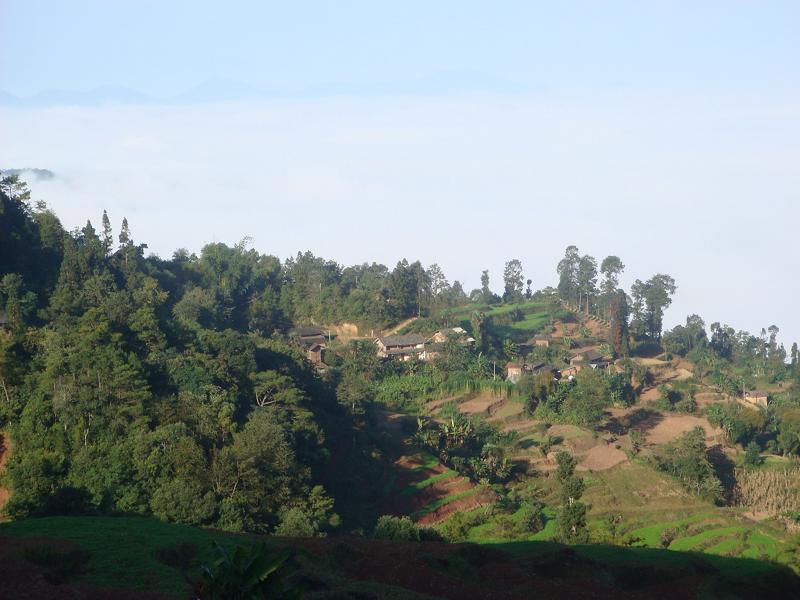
x,y
308,336
588,358
459,333
758,398
434,344
542,340
316,354
402,347
515,370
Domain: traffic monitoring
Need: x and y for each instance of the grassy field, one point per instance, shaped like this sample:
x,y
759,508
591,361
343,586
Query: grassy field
x,y
122,550
536,316
123,553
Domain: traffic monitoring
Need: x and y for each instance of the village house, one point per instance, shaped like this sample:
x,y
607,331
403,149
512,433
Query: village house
x,y
316,354
434,344
587,358
541,340
515,370
3,320
402,347
459,333
758,398
308,336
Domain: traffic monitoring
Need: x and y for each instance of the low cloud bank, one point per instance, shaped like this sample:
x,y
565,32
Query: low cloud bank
x,y
704,189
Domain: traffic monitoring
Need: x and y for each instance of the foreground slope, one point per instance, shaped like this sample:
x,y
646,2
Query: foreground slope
x,y
126,557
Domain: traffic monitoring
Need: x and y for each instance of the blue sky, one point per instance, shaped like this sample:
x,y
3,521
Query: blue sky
x,y
459,133
163,47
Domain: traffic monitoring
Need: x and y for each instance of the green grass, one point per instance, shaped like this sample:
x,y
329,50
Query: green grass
x,y
759,544
651,535
482,534
122,555
122,549
421,485
690,542
725,547
511,408
430,462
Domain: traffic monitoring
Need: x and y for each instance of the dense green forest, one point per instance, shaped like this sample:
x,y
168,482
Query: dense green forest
x,y
132,384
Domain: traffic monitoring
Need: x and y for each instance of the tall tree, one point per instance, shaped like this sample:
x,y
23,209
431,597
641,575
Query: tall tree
x,y
619,323
439,283
611,268
513,281
586,280
567,270
486,293
108,239
403,290
650,299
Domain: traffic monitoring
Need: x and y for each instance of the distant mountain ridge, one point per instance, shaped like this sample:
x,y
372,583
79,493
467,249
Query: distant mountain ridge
x,y
220,89
37,174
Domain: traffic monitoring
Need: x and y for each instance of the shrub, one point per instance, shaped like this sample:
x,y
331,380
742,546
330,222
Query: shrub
x,y
752,455
403,529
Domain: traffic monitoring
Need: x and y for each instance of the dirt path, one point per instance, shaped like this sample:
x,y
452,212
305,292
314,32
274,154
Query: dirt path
x,y
397,328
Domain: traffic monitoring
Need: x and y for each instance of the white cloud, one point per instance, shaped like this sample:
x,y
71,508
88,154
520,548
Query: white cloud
x,y
705,189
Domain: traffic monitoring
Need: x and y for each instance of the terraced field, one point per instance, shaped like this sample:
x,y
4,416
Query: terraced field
x,y
430,492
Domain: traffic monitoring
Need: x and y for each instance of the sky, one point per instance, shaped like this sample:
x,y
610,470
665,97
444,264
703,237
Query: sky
x,y
667,133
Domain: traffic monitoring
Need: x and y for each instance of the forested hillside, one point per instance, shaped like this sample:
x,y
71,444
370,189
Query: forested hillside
x,y
140,385
236,391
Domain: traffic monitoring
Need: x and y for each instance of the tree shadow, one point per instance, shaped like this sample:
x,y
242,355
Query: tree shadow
x,y
642,420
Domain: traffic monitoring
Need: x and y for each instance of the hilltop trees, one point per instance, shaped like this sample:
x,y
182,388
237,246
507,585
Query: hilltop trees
x,y
650,299
513,280
682,339
567,270
586,280
611,268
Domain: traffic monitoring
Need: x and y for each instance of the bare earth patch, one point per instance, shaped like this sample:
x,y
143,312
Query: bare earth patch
x,y
602,457
672,426
522,424
480,404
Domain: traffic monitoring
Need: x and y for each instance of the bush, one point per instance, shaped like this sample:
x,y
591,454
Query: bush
x,y
531,518
403,529
752,455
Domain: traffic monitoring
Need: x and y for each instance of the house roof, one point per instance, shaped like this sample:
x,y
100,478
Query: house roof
x,y
393,351
588,355
316,347
540,336
3,318
757,394
306,331
513,365
412,339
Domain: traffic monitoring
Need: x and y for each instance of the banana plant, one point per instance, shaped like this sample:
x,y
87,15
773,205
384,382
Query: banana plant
x,y
245,573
